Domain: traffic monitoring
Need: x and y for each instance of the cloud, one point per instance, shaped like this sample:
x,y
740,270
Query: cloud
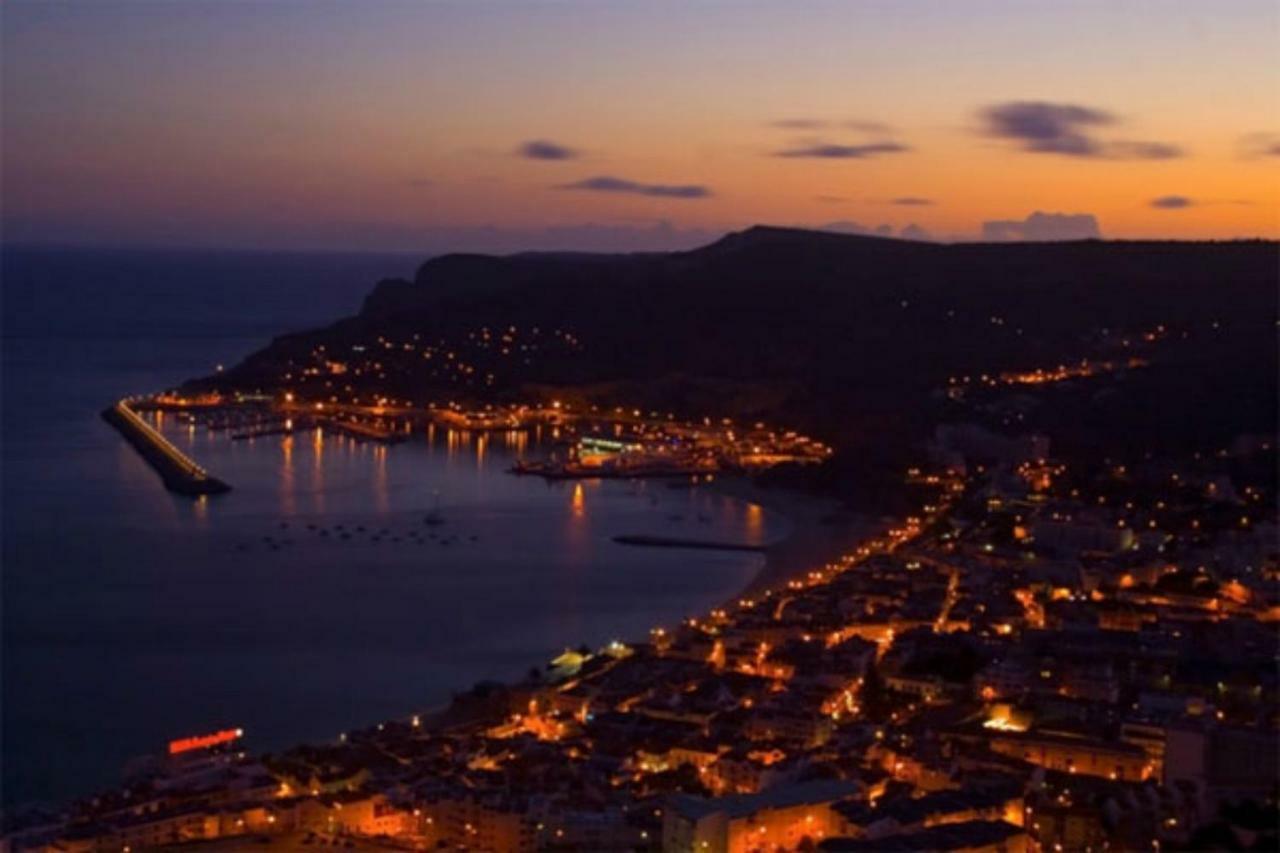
x,y
831,199
1253,145
1042,227
1171,202
1053,128
848,226
831,151
845,226
542,149
873,127
799,123
911,201
1066,129
610,184
1001,230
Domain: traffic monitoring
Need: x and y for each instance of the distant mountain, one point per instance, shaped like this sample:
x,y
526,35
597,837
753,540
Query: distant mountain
x,y
843,335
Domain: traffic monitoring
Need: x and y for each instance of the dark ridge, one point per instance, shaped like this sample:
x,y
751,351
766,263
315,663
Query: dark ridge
x,y
847,337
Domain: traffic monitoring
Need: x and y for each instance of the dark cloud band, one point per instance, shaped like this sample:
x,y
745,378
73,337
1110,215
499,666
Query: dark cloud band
x,y
1066,129
610,184
1040,227
831,151
542,149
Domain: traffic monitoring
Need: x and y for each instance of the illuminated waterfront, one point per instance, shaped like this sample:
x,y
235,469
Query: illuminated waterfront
x,y
134,616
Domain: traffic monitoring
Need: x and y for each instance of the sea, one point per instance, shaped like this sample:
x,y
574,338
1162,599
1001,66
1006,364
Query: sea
x,y
311,599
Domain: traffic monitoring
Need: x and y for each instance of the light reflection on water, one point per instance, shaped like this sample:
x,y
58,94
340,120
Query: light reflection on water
x,y
129,616
132,615
381,499
288,502
232,610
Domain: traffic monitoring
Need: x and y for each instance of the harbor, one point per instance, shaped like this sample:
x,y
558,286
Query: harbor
x,y
582,442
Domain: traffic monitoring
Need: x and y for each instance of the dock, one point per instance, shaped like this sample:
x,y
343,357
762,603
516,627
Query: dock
x,y
267,430
702,544
179,472
553,472
358,430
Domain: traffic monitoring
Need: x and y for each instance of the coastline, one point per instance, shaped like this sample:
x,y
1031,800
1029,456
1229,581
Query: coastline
x,y
822,530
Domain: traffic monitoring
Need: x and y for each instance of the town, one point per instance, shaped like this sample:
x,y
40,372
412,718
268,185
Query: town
x,y
650,427
1038,659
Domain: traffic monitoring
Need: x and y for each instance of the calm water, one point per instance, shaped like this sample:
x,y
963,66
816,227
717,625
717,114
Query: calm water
x,y
132,616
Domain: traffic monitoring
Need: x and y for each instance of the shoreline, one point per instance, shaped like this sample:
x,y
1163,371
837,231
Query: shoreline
x,y
810,539
822,530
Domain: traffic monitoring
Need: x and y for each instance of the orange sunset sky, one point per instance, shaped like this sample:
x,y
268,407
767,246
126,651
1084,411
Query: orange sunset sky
x,y
504,126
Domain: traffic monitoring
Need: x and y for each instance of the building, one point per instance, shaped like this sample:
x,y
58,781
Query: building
x,y
781,817
1087,756
978,836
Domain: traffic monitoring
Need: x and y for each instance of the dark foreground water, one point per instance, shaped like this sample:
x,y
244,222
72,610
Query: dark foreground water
x,y
132,616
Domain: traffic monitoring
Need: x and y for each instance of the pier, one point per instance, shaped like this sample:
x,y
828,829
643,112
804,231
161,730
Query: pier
x,y
571,471
701,544
179,472
264,432
363,431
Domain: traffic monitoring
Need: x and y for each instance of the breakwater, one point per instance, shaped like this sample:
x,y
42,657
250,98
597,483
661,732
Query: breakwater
x,y
672,542
179,472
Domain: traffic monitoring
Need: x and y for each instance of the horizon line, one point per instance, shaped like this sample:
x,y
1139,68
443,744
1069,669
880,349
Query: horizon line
x,y
64,245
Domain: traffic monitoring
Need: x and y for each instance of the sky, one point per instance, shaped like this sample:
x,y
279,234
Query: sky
x,y
492,126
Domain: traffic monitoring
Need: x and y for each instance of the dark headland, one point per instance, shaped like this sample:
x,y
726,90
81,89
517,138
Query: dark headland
x,y
850,339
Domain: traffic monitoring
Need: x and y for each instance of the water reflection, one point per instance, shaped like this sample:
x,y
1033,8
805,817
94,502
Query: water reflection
x,y
288,496
380,497
578,525
755,523
200,510
516,440
317,469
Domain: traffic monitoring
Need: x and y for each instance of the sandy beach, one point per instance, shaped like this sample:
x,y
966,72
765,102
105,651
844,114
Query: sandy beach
x,y
822,530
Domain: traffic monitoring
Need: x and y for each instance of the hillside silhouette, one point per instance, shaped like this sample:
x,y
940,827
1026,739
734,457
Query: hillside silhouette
x,y
848,337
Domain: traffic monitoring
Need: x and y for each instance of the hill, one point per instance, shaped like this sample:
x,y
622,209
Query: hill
x,y
848,337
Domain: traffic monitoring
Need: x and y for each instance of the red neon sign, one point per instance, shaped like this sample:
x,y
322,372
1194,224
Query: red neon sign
x,y
187,744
